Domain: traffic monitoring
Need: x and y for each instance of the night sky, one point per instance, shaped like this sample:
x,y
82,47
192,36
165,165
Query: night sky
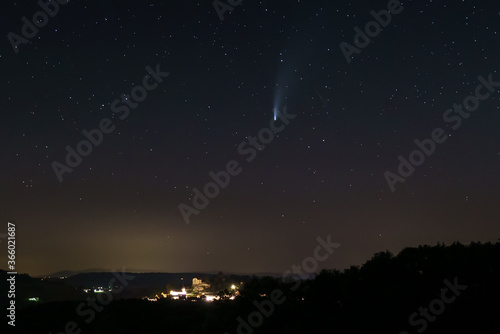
x,y
323,174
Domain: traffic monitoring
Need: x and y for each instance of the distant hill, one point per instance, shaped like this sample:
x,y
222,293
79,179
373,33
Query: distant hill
x,y
46,291
141,280
69,273
53,288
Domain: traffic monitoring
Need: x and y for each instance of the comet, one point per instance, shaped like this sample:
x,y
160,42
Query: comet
x,y
275,113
